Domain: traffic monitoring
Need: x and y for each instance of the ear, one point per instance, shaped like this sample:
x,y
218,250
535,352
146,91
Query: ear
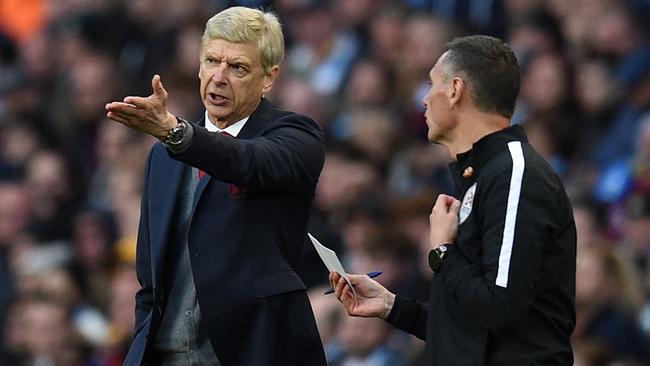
x,y
456,89
269,79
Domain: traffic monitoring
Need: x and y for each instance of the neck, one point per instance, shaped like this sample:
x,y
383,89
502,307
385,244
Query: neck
x,y
471,127
219,123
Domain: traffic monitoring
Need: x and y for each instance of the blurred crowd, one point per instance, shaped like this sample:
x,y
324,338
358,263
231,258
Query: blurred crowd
x,y
70,180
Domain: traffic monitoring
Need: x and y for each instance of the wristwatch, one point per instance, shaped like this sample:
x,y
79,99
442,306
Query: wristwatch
x,y
436,256
176,135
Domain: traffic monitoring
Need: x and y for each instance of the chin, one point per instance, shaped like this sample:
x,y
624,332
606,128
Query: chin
x,y
216,112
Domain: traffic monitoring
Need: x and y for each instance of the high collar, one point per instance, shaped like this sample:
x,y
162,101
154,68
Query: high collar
x,y
485,148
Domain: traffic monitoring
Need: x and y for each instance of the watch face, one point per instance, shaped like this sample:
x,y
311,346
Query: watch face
x,y
434,260
176,134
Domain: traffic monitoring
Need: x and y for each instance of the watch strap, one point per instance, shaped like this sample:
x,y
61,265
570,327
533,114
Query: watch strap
x,y
180,144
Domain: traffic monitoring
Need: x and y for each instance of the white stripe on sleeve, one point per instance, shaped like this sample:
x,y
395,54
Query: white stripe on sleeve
x,y
511,212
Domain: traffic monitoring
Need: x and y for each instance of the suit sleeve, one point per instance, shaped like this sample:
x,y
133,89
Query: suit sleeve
x,y
516,218
144,296
409,315
289,155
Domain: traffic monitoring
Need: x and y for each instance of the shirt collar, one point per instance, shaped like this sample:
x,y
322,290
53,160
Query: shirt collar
x,y
233,130
486,148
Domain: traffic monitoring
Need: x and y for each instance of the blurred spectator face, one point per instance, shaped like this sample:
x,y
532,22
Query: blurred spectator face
x,y
91,239
386,35
187,48
528,39
356,12
362,335
539,137
425,41
393,270
14,211
315,26
544,84
594,87
341,181
47,178
356,232
57,284
113,139
14,336
374,133
146,12
232,80
181,12
594,287
124,285
517,8
19,142
368,83
125,187
604,278
612,32
93,86
588,231
298,96
45,327
36,56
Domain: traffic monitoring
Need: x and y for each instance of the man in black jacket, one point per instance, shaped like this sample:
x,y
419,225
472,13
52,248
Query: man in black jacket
x,y
503,292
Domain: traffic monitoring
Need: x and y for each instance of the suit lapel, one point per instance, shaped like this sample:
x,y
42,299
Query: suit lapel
x,y
258,121
166,179
253,127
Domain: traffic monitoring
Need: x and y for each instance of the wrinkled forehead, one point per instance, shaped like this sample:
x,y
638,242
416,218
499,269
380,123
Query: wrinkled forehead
x,y
222,47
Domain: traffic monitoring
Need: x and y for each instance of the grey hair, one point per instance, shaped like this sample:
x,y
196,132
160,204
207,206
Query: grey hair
x,y
245,25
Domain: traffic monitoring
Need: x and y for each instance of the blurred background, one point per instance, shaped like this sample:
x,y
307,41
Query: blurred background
x,y
70,180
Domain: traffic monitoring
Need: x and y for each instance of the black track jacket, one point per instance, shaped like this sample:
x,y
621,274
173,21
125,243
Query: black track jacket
x,y
505,294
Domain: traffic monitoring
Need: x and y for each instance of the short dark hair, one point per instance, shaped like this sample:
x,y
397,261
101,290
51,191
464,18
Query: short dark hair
x,y
490,68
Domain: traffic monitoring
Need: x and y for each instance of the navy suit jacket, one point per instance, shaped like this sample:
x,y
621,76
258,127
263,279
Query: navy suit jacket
x,y
247,234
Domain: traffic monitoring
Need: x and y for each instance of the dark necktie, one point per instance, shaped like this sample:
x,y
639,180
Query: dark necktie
x,y
201,172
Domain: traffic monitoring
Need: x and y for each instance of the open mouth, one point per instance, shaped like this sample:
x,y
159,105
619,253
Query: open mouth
x,y
217,99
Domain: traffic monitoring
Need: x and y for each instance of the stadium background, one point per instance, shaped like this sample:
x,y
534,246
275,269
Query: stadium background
x,y
70,180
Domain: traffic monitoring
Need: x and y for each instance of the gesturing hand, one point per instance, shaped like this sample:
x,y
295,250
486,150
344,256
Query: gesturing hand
x,y
372,300
148,115
443,221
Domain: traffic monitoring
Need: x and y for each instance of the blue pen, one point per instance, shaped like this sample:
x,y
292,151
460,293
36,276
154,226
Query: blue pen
x,y
371,275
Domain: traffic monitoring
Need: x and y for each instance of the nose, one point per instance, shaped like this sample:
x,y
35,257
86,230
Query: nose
x,y
219,75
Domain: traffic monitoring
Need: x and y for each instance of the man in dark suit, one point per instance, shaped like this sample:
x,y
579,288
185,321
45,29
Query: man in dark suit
x,y
224,215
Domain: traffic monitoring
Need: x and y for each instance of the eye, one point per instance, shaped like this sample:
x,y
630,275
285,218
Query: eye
x,y
239,69
210,60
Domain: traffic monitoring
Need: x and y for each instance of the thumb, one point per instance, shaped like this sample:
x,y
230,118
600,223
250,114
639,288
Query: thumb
x,y
455,207
157,86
